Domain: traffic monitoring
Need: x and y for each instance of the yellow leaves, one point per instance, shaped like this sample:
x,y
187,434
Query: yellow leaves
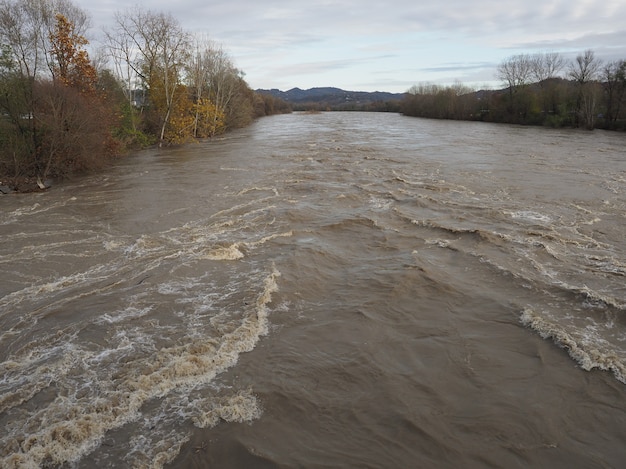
x,y
73,67
180,126
210,120
190,120
187,119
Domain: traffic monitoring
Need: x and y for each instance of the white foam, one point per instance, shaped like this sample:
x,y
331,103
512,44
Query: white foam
x,y
379,203
530,215
242,407
588,351
94,400
442,243
123,315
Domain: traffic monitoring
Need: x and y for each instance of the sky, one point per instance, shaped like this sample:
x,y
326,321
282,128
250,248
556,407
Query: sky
x,y
389,45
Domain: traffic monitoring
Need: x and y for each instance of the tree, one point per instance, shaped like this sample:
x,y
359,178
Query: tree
x,y
584,71
16,143
545,66
240,109
121,49
72,66
27,28
223,85
199,80
614,80
208,119
545,69
517,71
157,51
221,96
585,68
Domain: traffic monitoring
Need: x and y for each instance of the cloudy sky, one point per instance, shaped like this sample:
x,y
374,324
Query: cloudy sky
x,y
367,45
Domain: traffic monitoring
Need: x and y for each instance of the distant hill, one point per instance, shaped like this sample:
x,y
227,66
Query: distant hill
x,y
337,99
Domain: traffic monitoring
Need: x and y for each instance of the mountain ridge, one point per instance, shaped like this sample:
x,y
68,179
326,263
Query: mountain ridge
x,y
333,98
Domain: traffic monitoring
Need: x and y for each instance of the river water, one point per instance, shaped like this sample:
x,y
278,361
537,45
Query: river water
x,y
323,290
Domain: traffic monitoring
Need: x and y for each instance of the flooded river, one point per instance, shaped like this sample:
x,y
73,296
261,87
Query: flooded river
x,y
323,290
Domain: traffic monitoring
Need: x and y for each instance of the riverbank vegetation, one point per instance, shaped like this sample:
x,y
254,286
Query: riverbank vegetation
x,y
540,89
152,83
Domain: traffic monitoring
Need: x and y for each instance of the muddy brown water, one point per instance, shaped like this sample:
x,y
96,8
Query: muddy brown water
x,y
328,290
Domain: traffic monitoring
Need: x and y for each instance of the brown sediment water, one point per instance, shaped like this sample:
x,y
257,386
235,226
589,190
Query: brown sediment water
x,y
323,290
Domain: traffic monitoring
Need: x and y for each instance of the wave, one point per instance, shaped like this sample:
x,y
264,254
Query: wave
x,y
589,351
100,391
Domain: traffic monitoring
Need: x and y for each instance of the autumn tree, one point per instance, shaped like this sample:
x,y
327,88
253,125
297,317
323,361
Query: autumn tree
x,y
75,123
209,119
27,28
223,80
71,65
156,49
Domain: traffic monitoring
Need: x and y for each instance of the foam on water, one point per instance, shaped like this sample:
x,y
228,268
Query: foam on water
x,y
90,401
411,267
586,346
530,215
124,315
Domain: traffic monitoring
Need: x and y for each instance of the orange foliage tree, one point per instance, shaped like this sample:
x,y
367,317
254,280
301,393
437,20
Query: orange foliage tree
x,y
73,121
73,67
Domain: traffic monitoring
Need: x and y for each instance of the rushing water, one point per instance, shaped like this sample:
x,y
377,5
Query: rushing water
x,y
328,290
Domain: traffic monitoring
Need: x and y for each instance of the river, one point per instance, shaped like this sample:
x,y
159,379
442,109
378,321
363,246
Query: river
x,y
323,290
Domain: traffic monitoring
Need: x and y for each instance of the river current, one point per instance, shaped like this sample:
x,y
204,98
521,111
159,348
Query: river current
x,y
323,290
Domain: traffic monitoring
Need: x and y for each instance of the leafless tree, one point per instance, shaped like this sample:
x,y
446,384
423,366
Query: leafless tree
x,y
224,77
516,71
199,74
614,82
585,71
547,65
585,68
155,48
121,49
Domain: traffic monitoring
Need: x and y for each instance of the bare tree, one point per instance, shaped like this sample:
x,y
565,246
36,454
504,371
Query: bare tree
x,y
584,71
585,68
199,72
122,51
516,72
547,65
224,78
155,48
614,81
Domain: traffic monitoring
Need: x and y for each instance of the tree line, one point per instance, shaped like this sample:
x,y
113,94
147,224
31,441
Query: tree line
x,y
63,112
540,89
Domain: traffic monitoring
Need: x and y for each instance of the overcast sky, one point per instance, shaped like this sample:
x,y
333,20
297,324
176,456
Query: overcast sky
x,y
367,45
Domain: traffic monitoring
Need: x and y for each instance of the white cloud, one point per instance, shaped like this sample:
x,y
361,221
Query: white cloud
x,y
389,45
